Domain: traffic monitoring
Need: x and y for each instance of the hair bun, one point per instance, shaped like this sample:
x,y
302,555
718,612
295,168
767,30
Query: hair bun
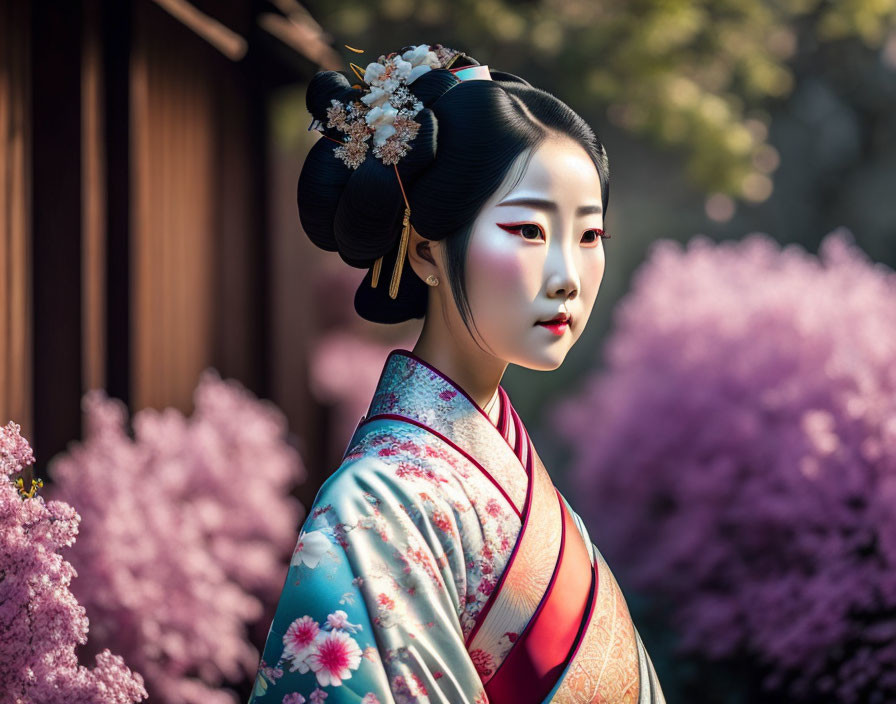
x,y
368,217
320,187
323,88
433,85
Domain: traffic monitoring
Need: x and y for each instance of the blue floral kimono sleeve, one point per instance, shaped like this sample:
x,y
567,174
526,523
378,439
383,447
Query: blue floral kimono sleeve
x,y
369,610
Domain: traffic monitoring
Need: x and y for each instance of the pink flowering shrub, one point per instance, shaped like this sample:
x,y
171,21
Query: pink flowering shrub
x,y
185,528
739,455
41,622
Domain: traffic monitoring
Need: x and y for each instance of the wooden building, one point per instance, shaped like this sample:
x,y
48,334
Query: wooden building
x,y
134,242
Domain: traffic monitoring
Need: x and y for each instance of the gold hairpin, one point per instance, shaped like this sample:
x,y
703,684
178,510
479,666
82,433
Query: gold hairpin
x,y
402,251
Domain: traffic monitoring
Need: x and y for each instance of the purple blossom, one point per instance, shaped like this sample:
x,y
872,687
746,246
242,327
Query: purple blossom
x,y
41,623
185,529
739,454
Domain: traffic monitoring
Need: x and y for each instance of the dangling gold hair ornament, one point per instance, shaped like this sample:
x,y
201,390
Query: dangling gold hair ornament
x,y
385,113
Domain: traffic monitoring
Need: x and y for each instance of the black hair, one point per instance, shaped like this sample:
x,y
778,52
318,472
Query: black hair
x,y
471,132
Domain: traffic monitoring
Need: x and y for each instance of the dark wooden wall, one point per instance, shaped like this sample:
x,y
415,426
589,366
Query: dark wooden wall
x,y
15,215
134,239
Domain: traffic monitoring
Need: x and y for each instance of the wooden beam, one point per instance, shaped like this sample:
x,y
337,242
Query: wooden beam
x,y
117,29
94,201
298,30
225,40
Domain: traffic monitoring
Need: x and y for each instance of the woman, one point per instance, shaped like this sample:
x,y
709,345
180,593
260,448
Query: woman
x,y
439,563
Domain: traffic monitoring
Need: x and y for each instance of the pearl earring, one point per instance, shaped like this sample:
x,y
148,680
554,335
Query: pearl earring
x,y
432,280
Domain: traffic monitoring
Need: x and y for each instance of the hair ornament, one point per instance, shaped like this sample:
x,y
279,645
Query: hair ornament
x,y
384,117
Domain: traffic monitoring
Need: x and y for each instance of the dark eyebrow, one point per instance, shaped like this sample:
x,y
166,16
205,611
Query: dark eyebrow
x,y
551,205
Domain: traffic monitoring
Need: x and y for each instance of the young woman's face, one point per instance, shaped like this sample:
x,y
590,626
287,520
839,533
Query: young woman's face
x,y
536,252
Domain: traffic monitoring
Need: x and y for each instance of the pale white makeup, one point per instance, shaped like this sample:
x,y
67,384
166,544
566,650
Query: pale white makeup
x,y
535,251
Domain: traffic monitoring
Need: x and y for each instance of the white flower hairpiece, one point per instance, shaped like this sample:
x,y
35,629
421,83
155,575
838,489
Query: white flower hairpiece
x,y
385,113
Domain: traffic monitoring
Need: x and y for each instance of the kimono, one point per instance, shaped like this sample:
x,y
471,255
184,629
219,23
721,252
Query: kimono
x,y
439,563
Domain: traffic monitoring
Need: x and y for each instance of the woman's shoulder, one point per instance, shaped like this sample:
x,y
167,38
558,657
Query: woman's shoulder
x,y
402,471
397,458
388,470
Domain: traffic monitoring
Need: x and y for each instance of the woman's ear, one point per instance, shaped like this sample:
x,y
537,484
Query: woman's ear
x,y
423,255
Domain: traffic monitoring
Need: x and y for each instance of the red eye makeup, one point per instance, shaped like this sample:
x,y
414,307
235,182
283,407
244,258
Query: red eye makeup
x,y
526,230
598,233
532,231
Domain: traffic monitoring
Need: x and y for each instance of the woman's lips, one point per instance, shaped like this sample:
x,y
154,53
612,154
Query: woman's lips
x,y
555,326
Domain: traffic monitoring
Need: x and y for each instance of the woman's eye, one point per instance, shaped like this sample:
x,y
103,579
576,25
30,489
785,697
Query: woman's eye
x,y
592,235
530,232
526,230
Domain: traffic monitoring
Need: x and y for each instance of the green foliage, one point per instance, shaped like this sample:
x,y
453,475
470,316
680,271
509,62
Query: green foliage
x,y
696,76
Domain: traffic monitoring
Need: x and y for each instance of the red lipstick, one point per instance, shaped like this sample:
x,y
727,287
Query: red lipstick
x,y
557,325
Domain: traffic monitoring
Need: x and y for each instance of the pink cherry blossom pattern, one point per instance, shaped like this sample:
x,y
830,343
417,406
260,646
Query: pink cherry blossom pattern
x,y
385,601
318,696
273,673
334,655
298,642
493,508
483,661
487,585
441,521
408,689
339,619
294,698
